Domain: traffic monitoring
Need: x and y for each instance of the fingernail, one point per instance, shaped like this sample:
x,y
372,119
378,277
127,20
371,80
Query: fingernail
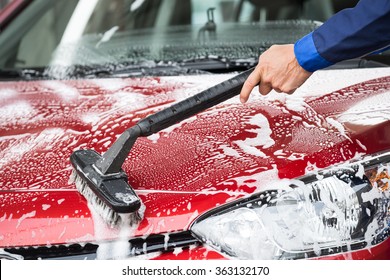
x,y
242,100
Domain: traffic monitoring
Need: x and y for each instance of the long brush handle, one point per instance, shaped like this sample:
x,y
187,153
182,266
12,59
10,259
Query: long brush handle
x,y
193,105
115,156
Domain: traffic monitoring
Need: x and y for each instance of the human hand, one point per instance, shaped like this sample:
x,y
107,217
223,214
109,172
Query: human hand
x,y
277,69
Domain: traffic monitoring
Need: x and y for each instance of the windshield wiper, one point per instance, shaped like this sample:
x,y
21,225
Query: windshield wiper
x,y
20,74
194,66
96,71
134,70
199,65
218,64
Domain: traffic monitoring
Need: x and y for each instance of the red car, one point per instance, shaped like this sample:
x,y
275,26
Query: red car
x,y
297,176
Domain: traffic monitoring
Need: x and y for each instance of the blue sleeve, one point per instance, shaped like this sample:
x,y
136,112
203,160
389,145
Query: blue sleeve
x,y
351,33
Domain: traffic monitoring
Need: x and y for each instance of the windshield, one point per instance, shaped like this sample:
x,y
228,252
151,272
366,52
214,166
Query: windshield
x,y
60,36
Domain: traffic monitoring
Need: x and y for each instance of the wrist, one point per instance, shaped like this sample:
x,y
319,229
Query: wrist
x,y
307,55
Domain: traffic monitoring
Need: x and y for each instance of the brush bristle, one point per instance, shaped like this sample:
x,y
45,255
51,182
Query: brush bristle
x,y
110,216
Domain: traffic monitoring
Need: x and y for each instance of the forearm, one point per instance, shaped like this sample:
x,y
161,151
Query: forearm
x,y
349,34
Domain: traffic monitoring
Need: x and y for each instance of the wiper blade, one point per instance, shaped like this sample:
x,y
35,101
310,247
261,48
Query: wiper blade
x,y
18,74
133,70
97,71
194,66
214,63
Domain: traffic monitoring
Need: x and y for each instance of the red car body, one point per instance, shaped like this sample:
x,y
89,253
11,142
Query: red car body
x,y
179,173
183,171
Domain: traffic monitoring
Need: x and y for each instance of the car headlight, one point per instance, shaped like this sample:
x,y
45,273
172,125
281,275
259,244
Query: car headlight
x,y
341,209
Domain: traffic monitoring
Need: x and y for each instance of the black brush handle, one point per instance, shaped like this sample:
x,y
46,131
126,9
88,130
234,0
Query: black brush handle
x,y
112,160
193,105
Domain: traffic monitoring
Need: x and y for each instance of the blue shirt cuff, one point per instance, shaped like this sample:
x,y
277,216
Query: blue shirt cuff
x,y
308,56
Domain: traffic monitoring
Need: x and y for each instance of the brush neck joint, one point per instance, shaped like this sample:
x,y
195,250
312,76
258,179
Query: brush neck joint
x,y
113,159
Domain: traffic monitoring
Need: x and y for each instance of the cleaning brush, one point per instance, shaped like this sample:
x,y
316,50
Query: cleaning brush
x,y
101,179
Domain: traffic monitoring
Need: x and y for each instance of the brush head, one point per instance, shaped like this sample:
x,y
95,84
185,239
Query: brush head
x,y
110,195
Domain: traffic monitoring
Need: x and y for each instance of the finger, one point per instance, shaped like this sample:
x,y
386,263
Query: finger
x,y
278,90
264,88
289,87
291,91
252,81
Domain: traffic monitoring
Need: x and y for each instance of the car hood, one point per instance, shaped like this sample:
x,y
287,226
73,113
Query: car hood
x,y
219,155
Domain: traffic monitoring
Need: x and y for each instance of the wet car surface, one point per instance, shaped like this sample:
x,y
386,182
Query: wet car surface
x,y
226,153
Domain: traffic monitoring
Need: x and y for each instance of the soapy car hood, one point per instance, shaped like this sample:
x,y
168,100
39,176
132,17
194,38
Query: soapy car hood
x,y
215,157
